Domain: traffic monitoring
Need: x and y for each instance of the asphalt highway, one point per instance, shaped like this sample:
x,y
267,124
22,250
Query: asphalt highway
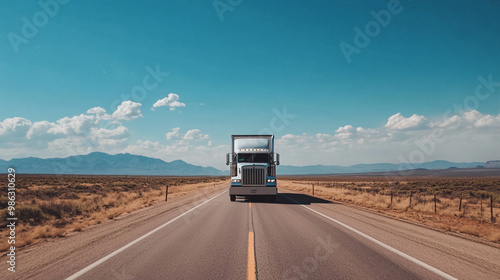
x,y
297,237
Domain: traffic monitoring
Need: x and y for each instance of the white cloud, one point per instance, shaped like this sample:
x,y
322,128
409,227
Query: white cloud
x,y
120,132
94,131
173,134
100,113
190,135
39,129
74,125
345,132
128,110
171,101
468,137
453,122
195,135
479,120
398,122
96,111
324,138
295,140
470,119
472,116
14,126
488,121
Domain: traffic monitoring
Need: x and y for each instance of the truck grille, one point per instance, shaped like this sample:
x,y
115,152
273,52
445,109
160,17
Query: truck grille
x,y
253,176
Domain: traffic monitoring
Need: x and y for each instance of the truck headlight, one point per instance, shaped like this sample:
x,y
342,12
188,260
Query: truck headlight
x,y
235,180
271,180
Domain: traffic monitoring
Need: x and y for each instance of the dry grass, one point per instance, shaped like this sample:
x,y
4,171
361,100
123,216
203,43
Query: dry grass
x,y
375,194
51,206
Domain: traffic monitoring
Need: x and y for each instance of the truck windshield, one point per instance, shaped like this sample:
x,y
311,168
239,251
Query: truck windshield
x,y
260,158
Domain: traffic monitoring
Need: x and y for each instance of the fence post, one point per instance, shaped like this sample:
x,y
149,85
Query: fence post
x,y
392,194
460,205
411,193
313,189
435,204
166,194
481,204
491,207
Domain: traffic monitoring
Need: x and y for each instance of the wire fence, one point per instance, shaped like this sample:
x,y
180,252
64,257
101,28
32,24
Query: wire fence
x,y
477,205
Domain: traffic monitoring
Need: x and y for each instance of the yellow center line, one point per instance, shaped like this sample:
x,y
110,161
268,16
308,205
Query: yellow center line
x,y
251,258
249,205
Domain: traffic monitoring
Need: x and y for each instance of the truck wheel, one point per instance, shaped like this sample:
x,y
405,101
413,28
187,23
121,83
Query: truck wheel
x,y
232,197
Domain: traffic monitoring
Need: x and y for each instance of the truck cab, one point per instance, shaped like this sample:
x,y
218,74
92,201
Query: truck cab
x,y
252,164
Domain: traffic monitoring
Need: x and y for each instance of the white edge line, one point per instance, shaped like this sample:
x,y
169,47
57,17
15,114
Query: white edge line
x,y
406,256
95,264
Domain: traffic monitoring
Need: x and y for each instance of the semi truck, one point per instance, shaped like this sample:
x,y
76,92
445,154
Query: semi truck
x,y
252,163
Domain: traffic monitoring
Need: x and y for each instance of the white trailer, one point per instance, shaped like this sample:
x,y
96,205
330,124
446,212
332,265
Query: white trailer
x,y
253,164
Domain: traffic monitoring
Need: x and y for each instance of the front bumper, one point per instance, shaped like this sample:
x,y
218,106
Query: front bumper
x,y
270,190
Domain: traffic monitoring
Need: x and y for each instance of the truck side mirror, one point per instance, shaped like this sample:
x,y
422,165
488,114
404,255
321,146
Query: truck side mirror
x,y
277,159
227,159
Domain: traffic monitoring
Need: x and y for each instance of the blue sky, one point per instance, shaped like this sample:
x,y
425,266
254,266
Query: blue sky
x,y
237,66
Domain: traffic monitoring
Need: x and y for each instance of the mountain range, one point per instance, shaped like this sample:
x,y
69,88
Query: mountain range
x,y
373,167
127,164
104,164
